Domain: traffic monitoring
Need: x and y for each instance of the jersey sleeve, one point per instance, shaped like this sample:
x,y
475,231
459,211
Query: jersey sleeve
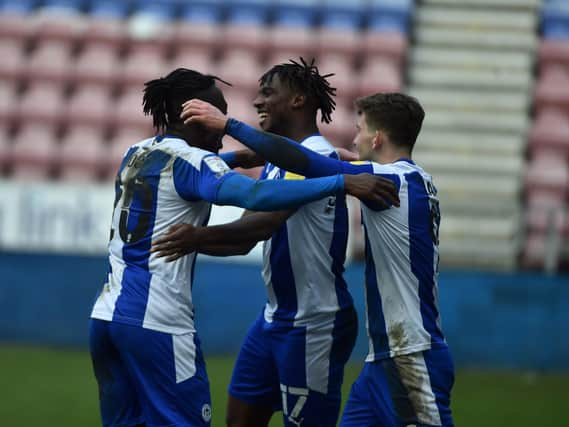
x,y
291,156
200,183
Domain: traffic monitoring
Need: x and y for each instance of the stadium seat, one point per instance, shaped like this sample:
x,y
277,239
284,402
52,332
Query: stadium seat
x,y
202,11
341,131
42,102
188,34
192,57
548,172
342,66
392,46
553,52
142,64
89,105
119,144
160,10
96,63
379,75
110,31
245,25
240,68
23,7
62,27
389,15
62,7
15,26
296,14
550,131
8,102
33,152
13,57
128,110
81,153
552,89
555,19
109,9
50,61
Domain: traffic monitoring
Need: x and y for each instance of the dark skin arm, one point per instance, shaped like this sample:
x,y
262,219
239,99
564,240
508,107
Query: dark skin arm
x,y
247,159
235,238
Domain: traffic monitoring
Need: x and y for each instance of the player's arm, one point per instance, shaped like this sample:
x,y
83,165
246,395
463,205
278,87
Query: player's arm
x,y
234,238
279,150
245,159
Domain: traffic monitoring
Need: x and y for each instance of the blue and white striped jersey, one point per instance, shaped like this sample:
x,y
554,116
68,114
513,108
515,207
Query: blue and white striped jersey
x,y
402,265
161,182
303,262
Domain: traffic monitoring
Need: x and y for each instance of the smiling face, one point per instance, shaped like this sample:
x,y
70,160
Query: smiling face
x,y
274,105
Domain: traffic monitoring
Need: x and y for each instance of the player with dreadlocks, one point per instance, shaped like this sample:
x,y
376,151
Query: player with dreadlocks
x,y
144,347
294,354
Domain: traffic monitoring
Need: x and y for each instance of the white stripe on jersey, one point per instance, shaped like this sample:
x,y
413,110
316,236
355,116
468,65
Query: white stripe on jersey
x,y
164,303
309,238
398,286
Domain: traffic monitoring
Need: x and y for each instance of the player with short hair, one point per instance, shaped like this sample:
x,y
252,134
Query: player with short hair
x,y
294,354
145,351
408,374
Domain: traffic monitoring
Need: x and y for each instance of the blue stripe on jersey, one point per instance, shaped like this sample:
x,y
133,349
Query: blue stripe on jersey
x,y
377,330
282,276
137,221
422,251
338,249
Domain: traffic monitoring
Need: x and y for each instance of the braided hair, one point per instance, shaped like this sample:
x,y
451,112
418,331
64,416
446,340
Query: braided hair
x,y
307,79
163,97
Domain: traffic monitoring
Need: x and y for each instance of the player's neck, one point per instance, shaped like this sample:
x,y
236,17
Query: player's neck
x,y
300,131
390,155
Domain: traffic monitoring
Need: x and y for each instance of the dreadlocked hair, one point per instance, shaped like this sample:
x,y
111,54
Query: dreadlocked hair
x,y
306,78
163,97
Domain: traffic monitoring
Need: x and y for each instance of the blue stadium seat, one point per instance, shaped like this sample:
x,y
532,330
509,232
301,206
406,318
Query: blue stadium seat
x,y
110,8
69,6
555,19
248,12
203,11
296,14
160,9
343,14
17,6
390,15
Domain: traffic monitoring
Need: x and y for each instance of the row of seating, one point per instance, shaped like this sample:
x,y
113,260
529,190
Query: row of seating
x,y
379,15
555,19
80,31
547,177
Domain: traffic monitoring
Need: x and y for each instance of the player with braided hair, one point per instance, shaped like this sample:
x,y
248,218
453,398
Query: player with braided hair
x,y
144,346
294,354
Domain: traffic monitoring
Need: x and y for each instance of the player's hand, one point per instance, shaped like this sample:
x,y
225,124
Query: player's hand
x,y
347,155
180,240
378,191
198,111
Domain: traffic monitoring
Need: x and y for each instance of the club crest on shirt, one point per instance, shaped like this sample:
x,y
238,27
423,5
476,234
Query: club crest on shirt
x,y
216,165
206,413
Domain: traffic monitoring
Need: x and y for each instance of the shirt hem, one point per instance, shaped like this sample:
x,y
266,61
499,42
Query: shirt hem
x,y
146,325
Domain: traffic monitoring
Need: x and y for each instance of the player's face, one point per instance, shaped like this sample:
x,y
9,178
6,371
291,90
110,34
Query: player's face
x,y
273,106
363,141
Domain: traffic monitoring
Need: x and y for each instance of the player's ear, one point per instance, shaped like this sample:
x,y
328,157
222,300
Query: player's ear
x,y
378,139
298,101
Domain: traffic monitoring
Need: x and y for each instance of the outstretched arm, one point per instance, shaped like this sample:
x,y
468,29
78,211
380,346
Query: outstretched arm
x,y
234,238
279,150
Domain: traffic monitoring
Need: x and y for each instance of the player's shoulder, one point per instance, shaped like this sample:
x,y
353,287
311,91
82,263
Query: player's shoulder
x,y
399,167
181,149
319,144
